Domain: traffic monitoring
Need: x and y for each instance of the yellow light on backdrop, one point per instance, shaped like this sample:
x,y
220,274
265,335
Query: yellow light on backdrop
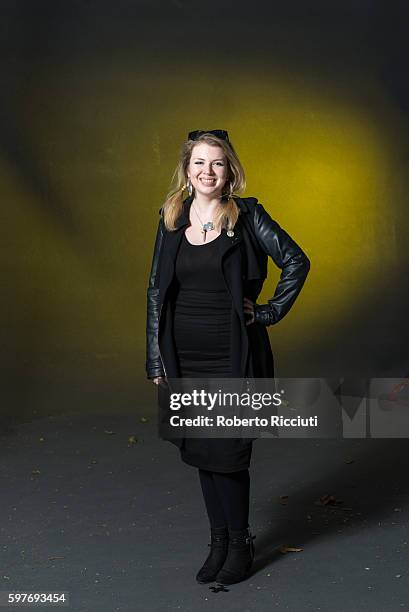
x,y
107,142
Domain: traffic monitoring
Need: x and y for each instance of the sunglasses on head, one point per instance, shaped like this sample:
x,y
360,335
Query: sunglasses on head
x,y
222,134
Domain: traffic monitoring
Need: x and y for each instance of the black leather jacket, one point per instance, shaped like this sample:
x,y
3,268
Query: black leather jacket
x,y
268,239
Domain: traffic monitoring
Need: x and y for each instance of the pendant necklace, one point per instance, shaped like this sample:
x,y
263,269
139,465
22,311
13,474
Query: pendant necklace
x,y
206,227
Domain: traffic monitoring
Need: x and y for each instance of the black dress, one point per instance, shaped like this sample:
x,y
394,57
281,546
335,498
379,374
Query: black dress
x,y
202,312
202,321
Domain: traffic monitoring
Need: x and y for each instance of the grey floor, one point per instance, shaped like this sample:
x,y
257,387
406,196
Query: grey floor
x,y
120,524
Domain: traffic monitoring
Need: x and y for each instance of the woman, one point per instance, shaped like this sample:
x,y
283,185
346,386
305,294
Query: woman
x,y
209,265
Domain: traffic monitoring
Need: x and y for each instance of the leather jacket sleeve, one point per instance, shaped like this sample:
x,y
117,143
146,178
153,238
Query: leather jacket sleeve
x,y
288,256
154,366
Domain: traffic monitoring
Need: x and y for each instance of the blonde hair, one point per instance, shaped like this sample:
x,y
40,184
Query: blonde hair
x,y
228,212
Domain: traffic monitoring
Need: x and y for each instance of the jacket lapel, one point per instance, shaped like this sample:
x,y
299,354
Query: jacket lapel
x,y
170,249
231,265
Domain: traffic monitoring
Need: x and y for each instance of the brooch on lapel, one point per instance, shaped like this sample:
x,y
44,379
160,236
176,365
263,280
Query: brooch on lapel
x,y
230,233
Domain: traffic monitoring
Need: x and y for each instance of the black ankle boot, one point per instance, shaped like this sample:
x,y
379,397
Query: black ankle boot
x,y
239,557
218,551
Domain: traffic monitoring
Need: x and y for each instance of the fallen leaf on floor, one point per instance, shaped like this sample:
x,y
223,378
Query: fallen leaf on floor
x,y
144,420
132,440
283,499
52,558
326,500
285,549
34,472
94,461
109,432
349,460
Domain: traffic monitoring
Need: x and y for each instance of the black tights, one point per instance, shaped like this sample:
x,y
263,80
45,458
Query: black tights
x,y
227,498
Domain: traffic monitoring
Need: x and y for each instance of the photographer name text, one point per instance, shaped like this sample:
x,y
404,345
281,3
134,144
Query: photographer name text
x,y
235,421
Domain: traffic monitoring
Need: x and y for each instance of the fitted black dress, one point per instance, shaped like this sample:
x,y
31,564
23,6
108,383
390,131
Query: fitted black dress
x,y
202,322
202,312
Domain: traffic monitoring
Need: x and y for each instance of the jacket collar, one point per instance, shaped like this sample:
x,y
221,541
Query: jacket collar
x,y
187,203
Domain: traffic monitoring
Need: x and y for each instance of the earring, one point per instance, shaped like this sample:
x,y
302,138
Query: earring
x,y
189,187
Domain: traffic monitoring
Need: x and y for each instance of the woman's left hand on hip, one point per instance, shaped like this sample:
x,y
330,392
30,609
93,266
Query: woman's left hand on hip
x,y
248,307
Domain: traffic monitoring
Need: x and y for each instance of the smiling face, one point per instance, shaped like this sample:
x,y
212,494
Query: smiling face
x,y
208,170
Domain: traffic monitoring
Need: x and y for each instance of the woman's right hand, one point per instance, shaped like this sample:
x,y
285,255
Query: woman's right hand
x,y
160,380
